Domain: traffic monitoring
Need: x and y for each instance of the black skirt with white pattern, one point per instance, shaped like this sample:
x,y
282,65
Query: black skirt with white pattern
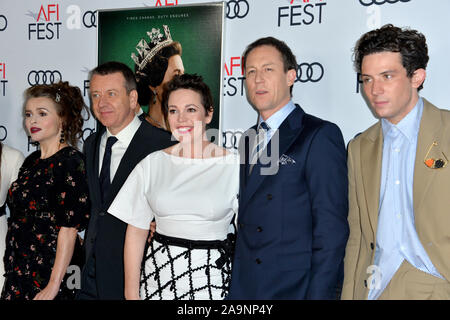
x,y
181,269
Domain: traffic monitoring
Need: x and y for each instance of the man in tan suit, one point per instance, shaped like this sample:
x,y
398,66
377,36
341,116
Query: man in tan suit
x,y
399,177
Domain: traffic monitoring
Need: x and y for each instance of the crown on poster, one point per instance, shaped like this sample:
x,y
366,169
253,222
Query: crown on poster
x,y
147,50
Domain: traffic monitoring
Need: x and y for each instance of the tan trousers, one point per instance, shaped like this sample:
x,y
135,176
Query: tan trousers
x,y
409,283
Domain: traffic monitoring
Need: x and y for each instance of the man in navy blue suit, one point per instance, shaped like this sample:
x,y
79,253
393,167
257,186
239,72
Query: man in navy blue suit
x,y
292,222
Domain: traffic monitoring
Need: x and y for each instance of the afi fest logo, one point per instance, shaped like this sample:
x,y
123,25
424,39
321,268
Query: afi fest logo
x,y
3,22
301,12
368,3
237,9
162,3
3,80
234,77
166,3
48,23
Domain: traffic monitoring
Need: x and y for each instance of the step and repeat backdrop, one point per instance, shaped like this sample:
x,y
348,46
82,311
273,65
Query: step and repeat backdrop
x,y
45,41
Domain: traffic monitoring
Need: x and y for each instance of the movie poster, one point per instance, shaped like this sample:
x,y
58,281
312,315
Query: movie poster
x,y
198,28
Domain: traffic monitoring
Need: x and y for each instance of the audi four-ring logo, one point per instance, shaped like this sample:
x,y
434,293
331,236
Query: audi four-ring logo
x,y
379,2
231,139
309,72
237,9
3,22
3,133
91,20
86,133
44,77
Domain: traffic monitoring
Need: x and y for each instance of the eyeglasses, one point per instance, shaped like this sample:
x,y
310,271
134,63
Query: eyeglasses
x,y
433,163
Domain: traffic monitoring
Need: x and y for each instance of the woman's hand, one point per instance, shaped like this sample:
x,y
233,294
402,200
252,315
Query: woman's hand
x,y
64,251
48,293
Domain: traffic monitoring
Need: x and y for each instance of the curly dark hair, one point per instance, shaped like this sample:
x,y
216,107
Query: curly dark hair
x,y
69,106
152,74
411,45
192,82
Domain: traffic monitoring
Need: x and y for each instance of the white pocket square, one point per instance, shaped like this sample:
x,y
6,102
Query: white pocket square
x,y
284,159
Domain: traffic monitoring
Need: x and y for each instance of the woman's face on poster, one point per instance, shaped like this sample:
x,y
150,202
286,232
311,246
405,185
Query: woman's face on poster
x,y
174,67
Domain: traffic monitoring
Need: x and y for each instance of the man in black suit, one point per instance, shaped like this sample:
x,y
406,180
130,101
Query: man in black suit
x,y
111,154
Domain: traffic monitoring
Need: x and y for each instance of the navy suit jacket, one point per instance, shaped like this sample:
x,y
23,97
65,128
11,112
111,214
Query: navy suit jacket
x,y
103,273
292,225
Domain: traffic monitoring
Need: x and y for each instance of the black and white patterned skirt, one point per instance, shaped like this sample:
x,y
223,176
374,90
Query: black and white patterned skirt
x,y
181,269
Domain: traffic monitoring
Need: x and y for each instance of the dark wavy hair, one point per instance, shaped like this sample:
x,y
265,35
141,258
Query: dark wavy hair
x,y
69,106
192,82
411,45
152,74
289,60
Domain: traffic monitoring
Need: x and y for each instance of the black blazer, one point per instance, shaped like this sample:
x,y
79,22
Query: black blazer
x,y
105,235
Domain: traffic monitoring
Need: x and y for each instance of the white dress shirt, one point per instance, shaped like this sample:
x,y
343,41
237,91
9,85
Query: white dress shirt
x,y
275,120
124,138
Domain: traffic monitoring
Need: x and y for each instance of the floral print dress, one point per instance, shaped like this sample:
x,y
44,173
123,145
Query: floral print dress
x,y
49,194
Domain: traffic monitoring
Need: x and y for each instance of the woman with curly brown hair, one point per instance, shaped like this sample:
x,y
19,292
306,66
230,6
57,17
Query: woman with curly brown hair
x,y
49,200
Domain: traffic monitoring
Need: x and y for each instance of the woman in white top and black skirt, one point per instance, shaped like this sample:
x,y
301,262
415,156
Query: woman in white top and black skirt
x,y
191,190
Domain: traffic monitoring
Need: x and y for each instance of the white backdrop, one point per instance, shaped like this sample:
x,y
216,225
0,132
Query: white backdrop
x,y
60,37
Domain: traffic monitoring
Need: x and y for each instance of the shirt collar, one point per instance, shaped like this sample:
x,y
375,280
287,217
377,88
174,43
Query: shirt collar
x,y
139,112
409,125
126,134
275,120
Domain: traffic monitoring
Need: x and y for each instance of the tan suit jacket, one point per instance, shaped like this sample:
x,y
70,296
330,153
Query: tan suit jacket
x,y
431,196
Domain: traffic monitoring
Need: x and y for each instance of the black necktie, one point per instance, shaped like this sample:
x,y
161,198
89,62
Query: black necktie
x,y
106,164
142,116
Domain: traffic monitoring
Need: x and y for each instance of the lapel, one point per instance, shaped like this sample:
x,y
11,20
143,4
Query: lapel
x,y
245,144
286,134
371,157
430,131
93,159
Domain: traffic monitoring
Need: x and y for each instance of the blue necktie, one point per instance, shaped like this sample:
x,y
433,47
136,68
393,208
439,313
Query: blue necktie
x,y
258,145
106,164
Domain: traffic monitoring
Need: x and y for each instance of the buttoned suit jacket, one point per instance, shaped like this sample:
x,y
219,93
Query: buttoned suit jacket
x,y
105,235
431,199
292,225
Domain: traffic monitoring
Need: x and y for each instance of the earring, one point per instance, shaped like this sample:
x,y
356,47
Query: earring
x,y
154,96
61,140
